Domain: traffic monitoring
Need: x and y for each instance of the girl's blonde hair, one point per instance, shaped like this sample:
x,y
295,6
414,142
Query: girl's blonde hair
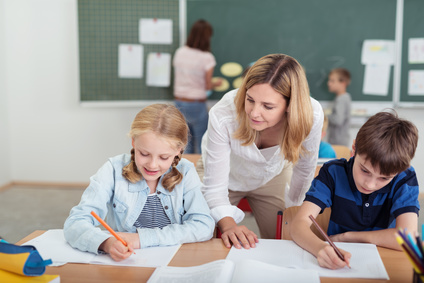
x,y
167,121
287,77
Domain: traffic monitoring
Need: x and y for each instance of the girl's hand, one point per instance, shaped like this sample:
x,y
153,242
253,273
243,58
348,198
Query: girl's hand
x,y
328,258
131,239
239,236
116,249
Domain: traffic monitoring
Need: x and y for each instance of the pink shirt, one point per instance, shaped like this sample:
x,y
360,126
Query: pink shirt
x,y
191,66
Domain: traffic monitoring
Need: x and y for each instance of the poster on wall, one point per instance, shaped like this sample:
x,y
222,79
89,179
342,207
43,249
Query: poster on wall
x,y
130,61
416,51
158,69
416,82
155,31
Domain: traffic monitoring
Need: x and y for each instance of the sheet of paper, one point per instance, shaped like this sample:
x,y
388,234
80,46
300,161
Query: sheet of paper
x,y
158,69
365,262
155,31
130,61
416,51
147,257
378,52
212,272
376,79
416,82
256,271
52,245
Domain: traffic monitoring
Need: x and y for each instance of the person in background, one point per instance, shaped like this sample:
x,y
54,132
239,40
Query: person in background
x,y
371,196
151,197
193,69
339,119
325,148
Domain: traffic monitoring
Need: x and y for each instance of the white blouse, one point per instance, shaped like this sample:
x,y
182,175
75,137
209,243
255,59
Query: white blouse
x,y
229,165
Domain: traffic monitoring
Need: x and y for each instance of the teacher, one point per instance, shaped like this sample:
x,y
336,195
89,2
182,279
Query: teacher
x,y
260,138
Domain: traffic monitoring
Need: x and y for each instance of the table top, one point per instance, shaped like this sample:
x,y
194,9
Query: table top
x,y
397,265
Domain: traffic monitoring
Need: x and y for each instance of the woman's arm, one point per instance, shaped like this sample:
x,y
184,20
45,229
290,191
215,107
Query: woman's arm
x,y
304,169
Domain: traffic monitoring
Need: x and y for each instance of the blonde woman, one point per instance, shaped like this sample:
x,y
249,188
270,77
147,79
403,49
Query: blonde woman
x,y
260,139
151,197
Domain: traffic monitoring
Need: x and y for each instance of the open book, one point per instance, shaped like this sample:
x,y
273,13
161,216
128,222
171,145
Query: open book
x,y
226,271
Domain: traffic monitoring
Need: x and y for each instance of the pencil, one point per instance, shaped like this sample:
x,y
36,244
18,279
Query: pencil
x,y
327,238
108,228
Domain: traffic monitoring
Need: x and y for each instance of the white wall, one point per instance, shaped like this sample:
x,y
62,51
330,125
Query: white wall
x,y
5,172
52,137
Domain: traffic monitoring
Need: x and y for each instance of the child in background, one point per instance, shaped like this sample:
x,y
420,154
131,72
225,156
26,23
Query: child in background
x,y
371,196
194,64
339,119
325,149
151,197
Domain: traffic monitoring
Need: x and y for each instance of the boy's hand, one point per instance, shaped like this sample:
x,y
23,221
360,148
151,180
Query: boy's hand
x,y
338,238
328,258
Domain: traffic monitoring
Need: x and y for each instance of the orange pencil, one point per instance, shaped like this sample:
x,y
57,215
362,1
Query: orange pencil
x,y
109,229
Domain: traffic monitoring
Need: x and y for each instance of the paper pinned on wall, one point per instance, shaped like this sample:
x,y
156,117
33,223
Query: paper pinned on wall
x,y
416,51
378,52
376,79
130,61
155,31
416,82
158,69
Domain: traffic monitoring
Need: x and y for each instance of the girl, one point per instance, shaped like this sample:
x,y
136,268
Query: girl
x,y
257,137
151,196
194,64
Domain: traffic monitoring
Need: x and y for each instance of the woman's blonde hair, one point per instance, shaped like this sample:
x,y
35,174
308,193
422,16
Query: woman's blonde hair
x,y
167,121
287,77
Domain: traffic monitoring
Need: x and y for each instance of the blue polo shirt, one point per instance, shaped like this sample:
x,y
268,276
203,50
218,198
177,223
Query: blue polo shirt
x,y
353,211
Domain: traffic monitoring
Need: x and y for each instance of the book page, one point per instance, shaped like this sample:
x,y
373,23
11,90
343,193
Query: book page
x,y
256,271
219,271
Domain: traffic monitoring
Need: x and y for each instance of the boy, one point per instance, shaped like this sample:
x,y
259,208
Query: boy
x,y
339,120
325,149
371,195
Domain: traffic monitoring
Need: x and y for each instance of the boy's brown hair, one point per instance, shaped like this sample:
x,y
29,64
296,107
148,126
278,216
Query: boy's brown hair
x,y
343,74
388,142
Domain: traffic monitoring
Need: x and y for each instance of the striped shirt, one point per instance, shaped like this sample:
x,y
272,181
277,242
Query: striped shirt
x,y
153,215
353,211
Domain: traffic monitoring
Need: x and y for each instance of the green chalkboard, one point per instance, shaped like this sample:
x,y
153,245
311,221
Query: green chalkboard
x,y
102,26
413,27
321,35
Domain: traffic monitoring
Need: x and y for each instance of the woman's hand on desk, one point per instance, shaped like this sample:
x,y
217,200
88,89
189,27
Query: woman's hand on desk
x,y
238,235
117,250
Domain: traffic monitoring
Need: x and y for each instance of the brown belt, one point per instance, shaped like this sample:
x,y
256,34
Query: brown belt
x,y
190,100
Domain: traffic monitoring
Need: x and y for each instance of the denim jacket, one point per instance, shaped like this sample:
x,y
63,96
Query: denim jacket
x,y
113,197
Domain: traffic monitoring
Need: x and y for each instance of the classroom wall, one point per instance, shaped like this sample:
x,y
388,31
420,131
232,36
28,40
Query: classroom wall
x,y
52,138
5,172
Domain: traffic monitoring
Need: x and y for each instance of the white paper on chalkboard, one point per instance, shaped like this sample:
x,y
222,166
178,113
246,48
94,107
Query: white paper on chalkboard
x,y
380,52
416,82
130,61
155,31
376,79
158,69
416,51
